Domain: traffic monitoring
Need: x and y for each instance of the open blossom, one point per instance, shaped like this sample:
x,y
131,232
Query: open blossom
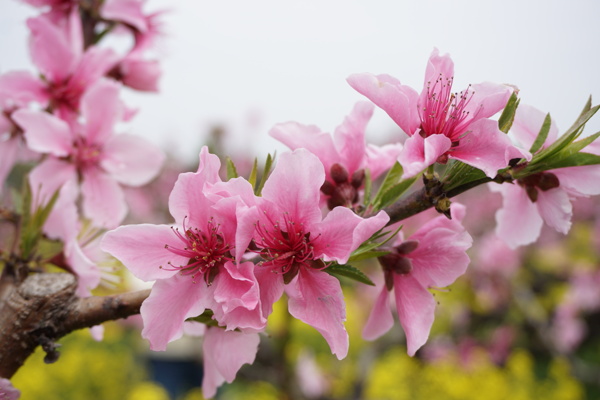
x,y
193,260
68,71
433,257
344,154
287,229
443,124
91,154
545,196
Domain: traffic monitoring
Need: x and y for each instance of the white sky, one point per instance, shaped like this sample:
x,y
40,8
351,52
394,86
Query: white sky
x,y
271,61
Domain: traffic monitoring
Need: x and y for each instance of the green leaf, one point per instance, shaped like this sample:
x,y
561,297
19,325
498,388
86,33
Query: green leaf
x,y
205,318
542,135
575,160
395,192
348,271
368,186
575,147
566,139
461,174
253,173
391,179
368,254
265,174
231,170
508,114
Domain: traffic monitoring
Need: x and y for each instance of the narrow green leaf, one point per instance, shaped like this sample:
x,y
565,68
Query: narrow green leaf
x,y
575,160
542,135
349,271
579,145
265,174
253,173
205,318
368,186
231,170
508,114
395,192
566,139
461,174
391,179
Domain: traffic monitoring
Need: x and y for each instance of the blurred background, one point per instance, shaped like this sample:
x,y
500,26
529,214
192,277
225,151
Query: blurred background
x,y
519,325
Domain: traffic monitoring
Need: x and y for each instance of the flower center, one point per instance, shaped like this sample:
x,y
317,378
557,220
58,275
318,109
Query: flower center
x,y
397,262
285,247
86,154
65,94
342,190
444,112
541,181
205,249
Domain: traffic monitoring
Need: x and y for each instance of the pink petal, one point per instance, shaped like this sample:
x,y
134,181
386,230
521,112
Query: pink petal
x,y
8,156
170,303
63,221
102,109
88,273
103,199
381,159
296,136
237,293
420,153
316,298
295,186
140,74
188,198
488,99
133,168
50,49
576,180
518,221
141,248
527,124
95,63
380,320
485,147
342,231
416,310
555,209
48,177
224,354
271,288
437,66
20,88
7,391
441,255
397,100
127,11
44,132
350,136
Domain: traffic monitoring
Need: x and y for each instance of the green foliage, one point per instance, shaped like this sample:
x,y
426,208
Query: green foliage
x,y
392,188
349,271
231,170
266,172
508,114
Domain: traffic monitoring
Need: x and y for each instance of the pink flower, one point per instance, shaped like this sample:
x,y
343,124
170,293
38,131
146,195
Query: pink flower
x,y
433,257
442,124
7,391
90,153
192,262
287,229
542,197
57,50
344,155
224,354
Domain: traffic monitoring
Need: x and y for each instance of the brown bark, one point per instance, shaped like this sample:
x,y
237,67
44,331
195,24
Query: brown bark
x,y
44,308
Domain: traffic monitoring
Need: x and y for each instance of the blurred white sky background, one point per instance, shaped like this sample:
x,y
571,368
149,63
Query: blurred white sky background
x,y
251,64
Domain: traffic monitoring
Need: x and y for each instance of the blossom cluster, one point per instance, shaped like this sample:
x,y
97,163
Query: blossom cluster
x,y
238,245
